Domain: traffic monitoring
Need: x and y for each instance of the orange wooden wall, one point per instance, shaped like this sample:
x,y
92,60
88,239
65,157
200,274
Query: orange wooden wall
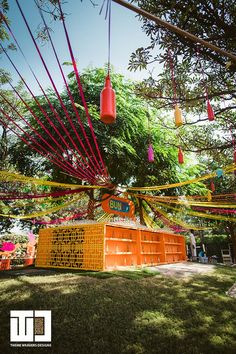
x,y
107,246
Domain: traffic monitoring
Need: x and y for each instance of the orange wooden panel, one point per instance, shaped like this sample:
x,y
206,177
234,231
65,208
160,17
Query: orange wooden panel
x,y
5,264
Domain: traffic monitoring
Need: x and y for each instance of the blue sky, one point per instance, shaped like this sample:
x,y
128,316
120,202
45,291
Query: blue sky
x,y
88,34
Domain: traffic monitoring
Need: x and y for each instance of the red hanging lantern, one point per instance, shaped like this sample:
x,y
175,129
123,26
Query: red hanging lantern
x,y
108,103
212,186
180,156
150,153
210,112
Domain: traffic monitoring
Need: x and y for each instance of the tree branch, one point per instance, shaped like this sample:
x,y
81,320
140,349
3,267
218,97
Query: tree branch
x,y
221,148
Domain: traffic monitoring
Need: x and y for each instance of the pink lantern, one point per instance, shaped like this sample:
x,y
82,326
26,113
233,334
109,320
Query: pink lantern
x,y
150,153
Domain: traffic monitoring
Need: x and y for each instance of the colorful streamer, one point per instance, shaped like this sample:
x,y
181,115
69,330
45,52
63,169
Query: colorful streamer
x,y
55,195
180,222
188,203
60,220
9,177
220,211
149,221
193,213
227,169
41,213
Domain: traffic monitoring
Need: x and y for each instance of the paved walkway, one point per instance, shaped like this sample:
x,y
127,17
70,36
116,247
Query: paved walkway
x,y
185,269
232,291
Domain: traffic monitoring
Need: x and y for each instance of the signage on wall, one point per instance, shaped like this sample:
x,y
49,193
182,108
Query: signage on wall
x,y
118,206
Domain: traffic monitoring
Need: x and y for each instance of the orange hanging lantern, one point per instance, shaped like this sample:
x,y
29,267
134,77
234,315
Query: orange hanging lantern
x,y
180,156
210,112
108,103
178,116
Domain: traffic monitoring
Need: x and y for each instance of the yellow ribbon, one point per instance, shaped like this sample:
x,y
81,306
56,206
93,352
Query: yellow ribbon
x,y
226,170
41,213
38,201
187,202
8,176
148,220
201,215
188,197
179,222
105,217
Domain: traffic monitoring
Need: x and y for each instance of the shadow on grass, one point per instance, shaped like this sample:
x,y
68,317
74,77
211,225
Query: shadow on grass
x,y
138,315
128,274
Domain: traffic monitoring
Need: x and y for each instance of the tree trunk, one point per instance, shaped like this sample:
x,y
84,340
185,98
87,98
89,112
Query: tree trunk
x,y
232,231
3,147
140,209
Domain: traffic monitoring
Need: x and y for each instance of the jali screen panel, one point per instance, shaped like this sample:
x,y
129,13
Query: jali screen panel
x,y
78,247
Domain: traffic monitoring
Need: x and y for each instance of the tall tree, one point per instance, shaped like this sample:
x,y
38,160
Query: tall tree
x,y
123,145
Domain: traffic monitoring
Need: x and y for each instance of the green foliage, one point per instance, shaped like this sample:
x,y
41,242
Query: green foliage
x,y
4,5
195,69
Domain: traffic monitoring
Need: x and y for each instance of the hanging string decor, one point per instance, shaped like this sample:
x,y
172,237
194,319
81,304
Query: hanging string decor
x,y
180,156
108,103
150,153
86,162
210,112
177,112
107,96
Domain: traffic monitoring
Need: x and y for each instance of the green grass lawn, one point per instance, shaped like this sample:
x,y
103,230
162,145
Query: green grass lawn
x,y
125,312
